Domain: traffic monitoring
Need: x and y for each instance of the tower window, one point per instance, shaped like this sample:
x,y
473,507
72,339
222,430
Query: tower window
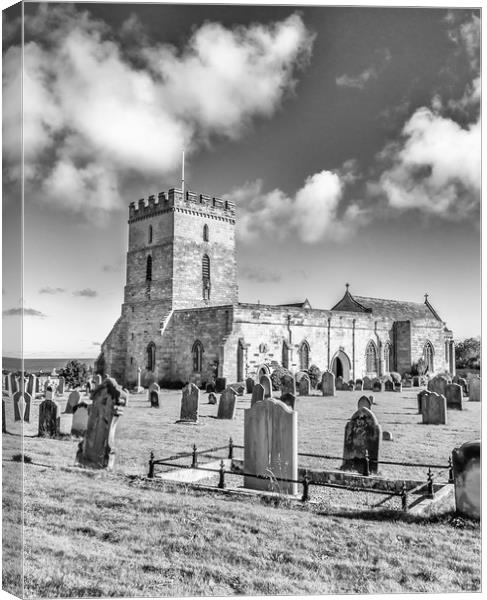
x,y
150,234
206,277
148,270
206,233
197,352
151,356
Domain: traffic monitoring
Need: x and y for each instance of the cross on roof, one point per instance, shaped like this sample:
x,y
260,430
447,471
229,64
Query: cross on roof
x,y
426,297
347,285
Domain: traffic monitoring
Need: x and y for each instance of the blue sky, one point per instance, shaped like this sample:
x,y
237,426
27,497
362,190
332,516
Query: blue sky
x,y
349,139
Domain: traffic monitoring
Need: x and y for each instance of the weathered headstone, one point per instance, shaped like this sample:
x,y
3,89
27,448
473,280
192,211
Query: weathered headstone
x,y
227,405
266,383
454,396
288,385
65,423
190,403
463,382
304,385
433,409
48,418
474,390
467,478
154,393
249,384
438,384
220,384
212,398
398,387
421,395
328,383
97,450
289,400
364,401
73,399
258,393
271,446
362,434
387,436
367,383
80,419
388,385
359,385
377,385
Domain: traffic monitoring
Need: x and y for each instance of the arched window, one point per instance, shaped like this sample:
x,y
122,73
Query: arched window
x,y
206,233
428,355
206,276
151,356
371,358
148,269
150,234
285,354
304,356
388,357
197,352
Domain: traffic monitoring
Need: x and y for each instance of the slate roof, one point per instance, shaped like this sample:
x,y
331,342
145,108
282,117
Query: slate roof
x,y
395,309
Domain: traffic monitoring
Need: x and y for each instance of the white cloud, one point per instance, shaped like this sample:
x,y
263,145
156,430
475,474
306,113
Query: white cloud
x,y
91,116
382,57
312,214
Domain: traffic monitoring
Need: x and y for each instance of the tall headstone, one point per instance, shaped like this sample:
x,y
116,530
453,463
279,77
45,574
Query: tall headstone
x,y
258,393
154,394
266,383
48,418
433,409
304,385
271,446
288,385
31,384
362,434
421,396
97,450
367,383
328,383
190,403
474,390
80,419
467,478
220,384
227,405
454,396
364,401
73,399
249,385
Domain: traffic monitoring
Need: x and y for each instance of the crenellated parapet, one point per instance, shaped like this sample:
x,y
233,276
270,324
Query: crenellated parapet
x,y
176,199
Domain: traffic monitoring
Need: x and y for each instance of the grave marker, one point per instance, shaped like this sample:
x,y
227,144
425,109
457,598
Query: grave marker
x,y
377,385
467,478
48,418
73,399
328,383
359,385
364,401
362,434
421,395
80,419
154,394
389,385
228,404
367,383
65,423
454,396
190,403
258,393
474,390
212,398
249,384
433,409
288,385
304,385
266,383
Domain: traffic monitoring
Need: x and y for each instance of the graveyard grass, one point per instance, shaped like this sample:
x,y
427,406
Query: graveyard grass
x,y
97,534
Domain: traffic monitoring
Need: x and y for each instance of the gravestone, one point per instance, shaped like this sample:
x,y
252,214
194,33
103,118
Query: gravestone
x,y
266,383
97,450
467,478
73,399
362,433
288,385
239,389
190,403
387,436
32,384
389,385
220,384
258,393
433,409
80,419
4,420
60,386
474,390
154,393
48,418
359,385
300,374
454,396
22,404
415,381
438,384
398,387
228,404
364,401
271,446
212,398
304,385
49,392
463,382
421,395
407,383
367,383
377,385
328,383
289,400
65,423
249,384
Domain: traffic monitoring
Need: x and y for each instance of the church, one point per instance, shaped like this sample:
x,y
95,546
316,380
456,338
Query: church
x,y
181,319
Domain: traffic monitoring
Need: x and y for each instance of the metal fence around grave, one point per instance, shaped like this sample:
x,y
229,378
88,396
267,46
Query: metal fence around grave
x,y
427,488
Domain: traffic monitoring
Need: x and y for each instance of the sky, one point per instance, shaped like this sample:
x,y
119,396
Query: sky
x,y
349,139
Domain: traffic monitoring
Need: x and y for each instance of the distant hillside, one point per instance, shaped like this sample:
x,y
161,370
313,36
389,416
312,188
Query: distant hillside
x,y
38,364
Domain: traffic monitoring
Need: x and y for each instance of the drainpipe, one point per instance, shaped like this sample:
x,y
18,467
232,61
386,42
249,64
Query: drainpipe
x,y
353,349
328,352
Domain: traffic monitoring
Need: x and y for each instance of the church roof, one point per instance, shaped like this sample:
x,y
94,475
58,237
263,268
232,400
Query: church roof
x,y
395,309
304,304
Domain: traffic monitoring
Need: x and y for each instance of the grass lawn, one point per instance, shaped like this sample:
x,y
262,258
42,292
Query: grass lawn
x,y
108,534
